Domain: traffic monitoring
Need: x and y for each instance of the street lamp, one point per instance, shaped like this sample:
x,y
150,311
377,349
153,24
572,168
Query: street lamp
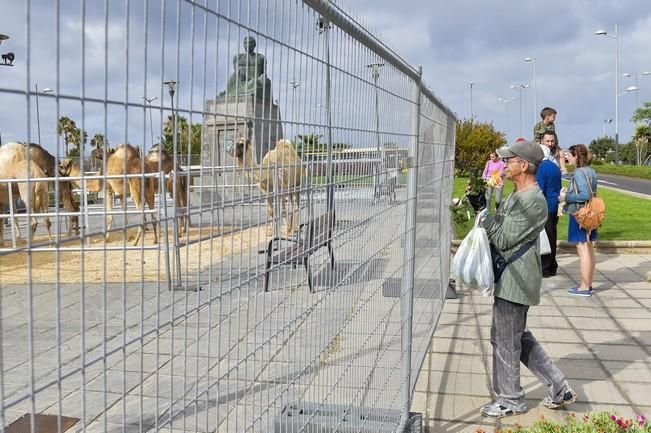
x,y
7,58
507,101
614,36
609,120
636,76
38,113
472,83
519,88
535,90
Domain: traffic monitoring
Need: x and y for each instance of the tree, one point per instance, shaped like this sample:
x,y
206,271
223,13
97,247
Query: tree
x,y
475,141
641,139
98,141
601,146
643,114
72,136
187,136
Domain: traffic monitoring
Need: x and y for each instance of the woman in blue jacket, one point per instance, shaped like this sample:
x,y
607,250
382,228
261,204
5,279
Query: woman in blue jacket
x,y
583,184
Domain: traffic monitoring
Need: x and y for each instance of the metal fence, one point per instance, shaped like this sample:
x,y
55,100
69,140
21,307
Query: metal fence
x,y
226,315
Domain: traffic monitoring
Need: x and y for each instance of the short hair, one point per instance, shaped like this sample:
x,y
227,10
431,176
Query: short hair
x,y
550,133
532,168
547,111
582,154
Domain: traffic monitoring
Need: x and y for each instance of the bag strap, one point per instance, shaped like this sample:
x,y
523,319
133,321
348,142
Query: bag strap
x,y
589,185
519,253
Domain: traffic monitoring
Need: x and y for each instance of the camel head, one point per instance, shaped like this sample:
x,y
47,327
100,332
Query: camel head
x,y
98,153
242,148
65,167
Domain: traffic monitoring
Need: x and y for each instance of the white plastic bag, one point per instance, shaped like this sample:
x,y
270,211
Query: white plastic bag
x,y
545,247
472,263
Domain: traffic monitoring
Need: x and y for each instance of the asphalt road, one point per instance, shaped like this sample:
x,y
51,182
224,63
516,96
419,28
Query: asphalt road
x,y
642,186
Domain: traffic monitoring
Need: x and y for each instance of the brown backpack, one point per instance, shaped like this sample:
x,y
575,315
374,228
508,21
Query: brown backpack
x,y
591,216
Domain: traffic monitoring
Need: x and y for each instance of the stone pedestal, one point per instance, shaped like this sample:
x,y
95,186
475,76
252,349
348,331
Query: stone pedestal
x,y
225,121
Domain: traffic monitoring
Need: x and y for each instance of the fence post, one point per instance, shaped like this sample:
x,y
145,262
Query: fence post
x,y
324,27
407,292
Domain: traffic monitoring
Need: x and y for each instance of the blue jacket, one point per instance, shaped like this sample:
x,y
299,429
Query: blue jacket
x,y
578,191
548,177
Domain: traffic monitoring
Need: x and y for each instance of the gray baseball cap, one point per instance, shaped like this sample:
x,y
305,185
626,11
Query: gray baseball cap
x,y
523,149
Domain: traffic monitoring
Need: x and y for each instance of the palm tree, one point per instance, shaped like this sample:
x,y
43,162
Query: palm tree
x,y
98,141
65,128
187,136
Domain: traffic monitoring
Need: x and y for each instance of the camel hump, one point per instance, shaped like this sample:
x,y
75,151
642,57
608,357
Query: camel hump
x,y
10,153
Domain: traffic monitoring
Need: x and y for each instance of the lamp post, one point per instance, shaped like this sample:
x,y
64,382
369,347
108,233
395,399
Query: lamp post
x,y
615,37
507,101
609,120
535,90
295,85
472,83
151,123
636,76
38,113
519,88
375,70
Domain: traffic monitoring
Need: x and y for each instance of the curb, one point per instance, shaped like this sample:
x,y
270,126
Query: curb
x,y
606,247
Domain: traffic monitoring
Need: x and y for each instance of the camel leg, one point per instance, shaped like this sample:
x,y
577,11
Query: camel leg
x,y
109,208
134,186
149,195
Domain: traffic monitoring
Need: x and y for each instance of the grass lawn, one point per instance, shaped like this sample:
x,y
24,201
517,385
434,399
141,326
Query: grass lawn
x,y
627,217
643,172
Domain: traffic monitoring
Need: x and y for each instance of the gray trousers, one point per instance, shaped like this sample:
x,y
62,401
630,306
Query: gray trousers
x,y
513,343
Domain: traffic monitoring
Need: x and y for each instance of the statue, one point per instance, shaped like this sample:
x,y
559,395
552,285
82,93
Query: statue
x,y
249,76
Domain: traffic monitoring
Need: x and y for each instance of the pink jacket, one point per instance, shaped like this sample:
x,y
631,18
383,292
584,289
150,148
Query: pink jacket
x,y
491,167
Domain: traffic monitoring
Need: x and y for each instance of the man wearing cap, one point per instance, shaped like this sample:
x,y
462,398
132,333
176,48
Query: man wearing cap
x,y
514,230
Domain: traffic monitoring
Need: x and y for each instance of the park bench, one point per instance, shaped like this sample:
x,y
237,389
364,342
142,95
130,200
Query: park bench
x,y
312,235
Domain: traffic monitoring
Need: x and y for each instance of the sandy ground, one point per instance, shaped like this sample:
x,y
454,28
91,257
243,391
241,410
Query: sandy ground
x,y
131,265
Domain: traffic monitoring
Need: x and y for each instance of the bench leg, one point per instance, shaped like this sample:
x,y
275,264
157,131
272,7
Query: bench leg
x,y
332,256
306,262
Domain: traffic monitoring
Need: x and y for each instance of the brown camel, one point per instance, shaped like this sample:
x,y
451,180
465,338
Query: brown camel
x,y
158,159
12,153
123,160
34,194
286,161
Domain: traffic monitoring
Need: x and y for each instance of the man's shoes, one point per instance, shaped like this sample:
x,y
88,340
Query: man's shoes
x,y
497,410
576,292
549,274
569,397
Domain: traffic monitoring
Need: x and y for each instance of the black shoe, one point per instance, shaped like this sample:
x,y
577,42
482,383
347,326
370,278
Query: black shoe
x,y
548,274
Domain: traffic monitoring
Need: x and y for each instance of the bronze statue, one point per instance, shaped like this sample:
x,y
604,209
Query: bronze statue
x,y
249,76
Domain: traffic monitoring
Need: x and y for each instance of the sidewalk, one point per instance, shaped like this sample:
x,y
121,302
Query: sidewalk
x,y
601,343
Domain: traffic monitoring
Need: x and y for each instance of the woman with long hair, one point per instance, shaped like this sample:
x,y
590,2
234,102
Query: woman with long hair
x,y
583,185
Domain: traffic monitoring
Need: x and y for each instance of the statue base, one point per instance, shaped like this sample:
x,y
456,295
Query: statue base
x,y
225,121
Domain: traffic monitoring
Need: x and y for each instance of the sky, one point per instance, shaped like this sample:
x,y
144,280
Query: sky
x,y
486,42
456,42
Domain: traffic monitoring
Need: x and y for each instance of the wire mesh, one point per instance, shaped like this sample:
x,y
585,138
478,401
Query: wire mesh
x,y
249,207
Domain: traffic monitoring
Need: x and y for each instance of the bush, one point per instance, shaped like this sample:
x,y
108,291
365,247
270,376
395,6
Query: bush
x,y
602,422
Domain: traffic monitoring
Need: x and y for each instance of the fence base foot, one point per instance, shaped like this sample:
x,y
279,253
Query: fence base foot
x,y
452,290
188,287
328,418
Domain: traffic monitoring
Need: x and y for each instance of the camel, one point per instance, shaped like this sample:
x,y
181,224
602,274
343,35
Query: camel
x,y
12,153
35,194
285,159
158,159
123,160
